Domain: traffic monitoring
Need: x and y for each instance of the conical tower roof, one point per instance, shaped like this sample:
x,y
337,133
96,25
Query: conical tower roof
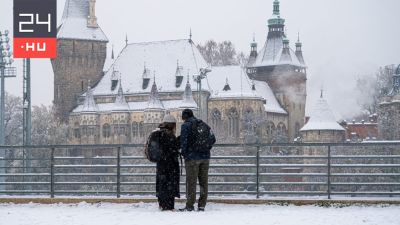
x,y
89,105
120,103
154,100
322,118
187,100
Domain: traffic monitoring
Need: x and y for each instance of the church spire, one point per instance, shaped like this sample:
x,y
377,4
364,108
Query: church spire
x,y
299,51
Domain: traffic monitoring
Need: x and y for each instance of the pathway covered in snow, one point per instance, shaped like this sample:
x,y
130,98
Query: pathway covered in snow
x,y
219,214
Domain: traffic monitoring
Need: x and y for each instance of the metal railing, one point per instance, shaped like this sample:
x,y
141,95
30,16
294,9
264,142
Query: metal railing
x,y
263,170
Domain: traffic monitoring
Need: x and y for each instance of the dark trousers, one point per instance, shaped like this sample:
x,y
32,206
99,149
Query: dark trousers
x,y
166,203
196,169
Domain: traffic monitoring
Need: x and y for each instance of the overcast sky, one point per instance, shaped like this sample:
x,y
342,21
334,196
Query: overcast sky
x,y
342,39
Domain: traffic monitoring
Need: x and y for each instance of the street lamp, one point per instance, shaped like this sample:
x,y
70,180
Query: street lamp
x,y
5,61
197,79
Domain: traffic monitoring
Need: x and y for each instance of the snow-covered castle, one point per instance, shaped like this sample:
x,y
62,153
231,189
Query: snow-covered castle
x,y
265,101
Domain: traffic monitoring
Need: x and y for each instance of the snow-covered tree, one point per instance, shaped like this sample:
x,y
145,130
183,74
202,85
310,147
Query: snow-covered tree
x,y
372,89
221,54
13,120
46,129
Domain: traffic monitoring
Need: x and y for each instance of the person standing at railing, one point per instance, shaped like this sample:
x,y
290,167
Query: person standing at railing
x,y
167,180
196,140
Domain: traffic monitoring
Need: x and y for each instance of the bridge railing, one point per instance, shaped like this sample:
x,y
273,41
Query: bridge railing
x,y
258,170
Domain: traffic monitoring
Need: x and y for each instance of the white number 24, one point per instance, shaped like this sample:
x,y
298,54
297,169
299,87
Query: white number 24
x,y
31,22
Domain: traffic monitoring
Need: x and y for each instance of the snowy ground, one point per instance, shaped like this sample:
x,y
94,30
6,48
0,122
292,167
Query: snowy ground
x,y
143,214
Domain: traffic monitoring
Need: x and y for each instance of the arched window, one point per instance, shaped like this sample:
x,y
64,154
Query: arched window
x,y
297,129
135,129
77,130
141,129
270,128
233,126
106,130
216,120
249,120
281,129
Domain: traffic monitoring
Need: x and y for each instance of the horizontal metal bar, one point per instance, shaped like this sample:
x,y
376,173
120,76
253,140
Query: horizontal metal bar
x,y
84,192
23,174
366,184
365,193
294,157
366,165
295,174
365,174
85,183
294,183
83,158
84,174
25,191
25,183
85,166
294,192
113,146
365,157
293,165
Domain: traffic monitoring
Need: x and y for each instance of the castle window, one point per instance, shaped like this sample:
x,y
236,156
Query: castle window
x,y
270,128
233,126
84,131
281,129
106,130
77,131
91,131
135,129
297,129
141,129
216,120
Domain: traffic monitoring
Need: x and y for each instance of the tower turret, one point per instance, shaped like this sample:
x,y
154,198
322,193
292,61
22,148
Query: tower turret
x,y
82,51
299,51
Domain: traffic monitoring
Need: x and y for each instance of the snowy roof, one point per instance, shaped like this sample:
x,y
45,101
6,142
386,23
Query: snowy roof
x,y
120,103
271,54
89,105
159,58
187,99
236,78
322,118
241,87
74,23
154,100
265,91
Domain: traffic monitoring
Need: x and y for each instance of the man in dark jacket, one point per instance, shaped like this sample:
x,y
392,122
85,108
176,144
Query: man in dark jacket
x,y
196,164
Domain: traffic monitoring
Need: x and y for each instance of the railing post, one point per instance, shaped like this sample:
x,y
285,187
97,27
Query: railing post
x,y
52,173
118,172
258,172
329,172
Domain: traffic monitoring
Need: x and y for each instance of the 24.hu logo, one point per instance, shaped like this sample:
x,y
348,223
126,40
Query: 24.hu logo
x,y
35,28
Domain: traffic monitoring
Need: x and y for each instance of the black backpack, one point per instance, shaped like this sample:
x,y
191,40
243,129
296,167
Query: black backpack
x,y
152,149
202,137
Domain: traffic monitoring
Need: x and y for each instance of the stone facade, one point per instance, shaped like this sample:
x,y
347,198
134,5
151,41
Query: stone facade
x,y
264,103
78,63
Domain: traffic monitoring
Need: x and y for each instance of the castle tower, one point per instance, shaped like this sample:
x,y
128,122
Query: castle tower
x,y
322,126
284,71
82,50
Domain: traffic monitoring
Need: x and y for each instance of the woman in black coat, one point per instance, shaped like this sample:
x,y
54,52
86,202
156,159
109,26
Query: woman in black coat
x,y
167,183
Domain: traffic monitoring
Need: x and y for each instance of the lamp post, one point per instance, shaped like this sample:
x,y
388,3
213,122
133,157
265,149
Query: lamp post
x,y
198,78
5,71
